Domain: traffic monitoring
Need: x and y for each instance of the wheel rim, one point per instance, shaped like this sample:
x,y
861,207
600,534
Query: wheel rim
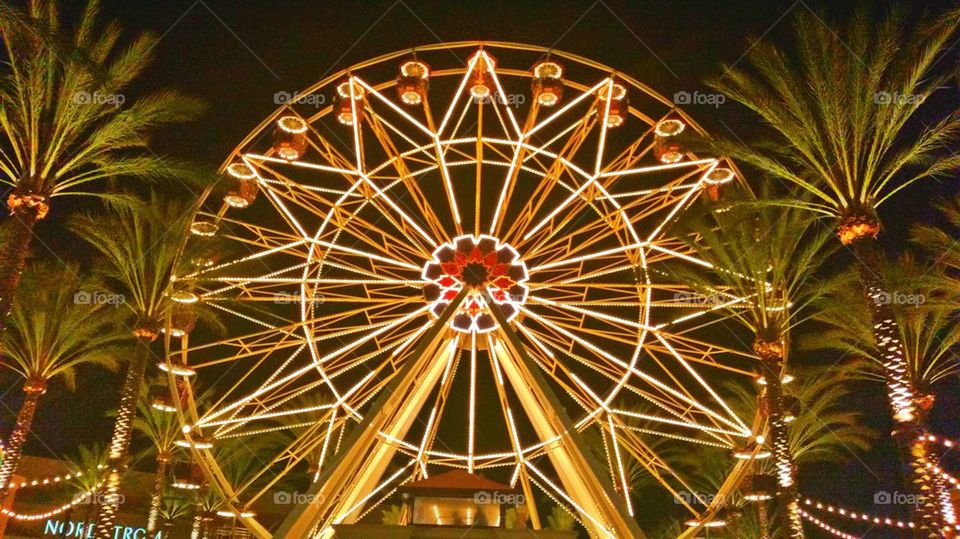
x,y
328,288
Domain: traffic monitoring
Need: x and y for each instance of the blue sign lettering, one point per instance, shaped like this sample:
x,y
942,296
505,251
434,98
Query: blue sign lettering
x,y
85,530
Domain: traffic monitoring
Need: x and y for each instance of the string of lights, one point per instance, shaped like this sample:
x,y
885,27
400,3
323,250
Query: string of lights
x,y
826,527
49,480
84,497
939,440
859,516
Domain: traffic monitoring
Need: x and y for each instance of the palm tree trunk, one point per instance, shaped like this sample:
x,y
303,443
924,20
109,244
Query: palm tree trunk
x,y
14,446
158,487
763,520
197,524
947,511
13,257
780,443
120,444
900,391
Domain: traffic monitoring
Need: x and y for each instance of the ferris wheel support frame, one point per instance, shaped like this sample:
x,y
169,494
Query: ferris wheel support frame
x,y
343,487
578,469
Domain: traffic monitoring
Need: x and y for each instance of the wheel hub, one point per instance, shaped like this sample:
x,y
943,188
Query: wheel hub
x,y
478,263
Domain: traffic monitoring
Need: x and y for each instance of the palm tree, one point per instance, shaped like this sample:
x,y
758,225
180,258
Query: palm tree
x,y
163,431
173,508
66,123
825,430
140,247
839,108
765,255
88,470
560,519
240,462
922,299
58,323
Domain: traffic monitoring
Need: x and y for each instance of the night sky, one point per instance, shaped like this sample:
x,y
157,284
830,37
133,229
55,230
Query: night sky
x,y
237,54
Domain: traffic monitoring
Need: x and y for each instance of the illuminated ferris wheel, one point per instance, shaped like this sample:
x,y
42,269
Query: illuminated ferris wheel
x,y
452,258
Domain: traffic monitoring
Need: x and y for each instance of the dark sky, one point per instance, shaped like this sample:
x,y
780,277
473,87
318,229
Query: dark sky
x,y
236,54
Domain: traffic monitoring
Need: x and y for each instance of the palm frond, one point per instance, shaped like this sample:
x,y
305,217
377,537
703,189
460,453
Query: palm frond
x,y
921,299
839,104
762,256
60,322
64,113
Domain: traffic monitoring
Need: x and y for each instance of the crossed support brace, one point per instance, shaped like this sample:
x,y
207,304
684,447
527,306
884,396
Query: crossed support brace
x,y
601,510
339,494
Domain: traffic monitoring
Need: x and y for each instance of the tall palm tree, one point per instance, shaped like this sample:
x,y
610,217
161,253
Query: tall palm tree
x,y
58,323
838,109
922,299
66,122
163,430
767,256
140,247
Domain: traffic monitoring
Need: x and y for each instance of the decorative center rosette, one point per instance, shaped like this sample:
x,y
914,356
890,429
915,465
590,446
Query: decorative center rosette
x,y
479,263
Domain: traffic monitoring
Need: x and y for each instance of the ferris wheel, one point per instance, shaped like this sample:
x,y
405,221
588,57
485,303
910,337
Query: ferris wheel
x,y
452,257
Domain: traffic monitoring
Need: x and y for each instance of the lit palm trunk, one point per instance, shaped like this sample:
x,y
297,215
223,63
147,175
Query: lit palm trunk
x,y
120,445
771,357
763,520
900,391
197,527
159,486
18,437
